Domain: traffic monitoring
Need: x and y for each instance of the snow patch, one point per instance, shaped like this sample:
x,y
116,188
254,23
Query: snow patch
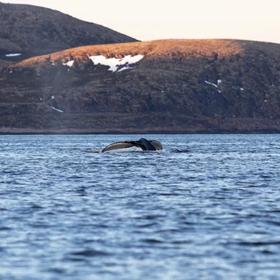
x,y
211,84
125,68
69,63
115,64
13,54
57,110
217,85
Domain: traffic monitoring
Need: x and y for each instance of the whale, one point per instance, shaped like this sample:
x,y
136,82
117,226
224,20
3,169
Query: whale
x,y
144,144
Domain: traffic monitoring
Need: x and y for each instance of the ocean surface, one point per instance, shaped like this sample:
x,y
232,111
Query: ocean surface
x,y
206,207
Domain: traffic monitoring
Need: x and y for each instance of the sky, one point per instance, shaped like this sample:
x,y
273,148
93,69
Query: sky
x,y
189,19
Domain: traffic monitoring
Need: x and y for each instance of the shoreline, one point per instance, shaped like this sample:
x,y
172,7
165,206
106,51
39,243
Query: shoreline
x,y
136,132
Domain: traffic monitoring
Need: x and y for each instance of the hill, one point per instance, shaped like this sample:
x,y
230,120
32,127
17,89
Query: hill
x,y
157,86
30,30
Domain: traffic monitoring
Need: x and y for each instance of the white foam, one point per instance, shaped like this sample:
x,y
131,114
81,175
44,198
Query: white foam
x,y
115,64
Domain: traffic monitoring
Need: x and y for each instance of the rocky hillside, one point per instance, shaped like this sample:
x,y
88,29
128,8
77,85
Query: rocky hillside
x,y
29,30
157,86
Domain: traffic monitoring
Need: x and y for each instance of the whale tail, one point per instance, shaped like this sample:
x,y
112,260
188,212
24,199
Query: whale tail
x,y
144,144
156,144
117,145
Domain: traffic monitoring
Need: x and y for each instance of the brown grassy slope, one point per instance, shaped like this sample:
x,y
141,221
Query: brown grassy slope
x,y
156,49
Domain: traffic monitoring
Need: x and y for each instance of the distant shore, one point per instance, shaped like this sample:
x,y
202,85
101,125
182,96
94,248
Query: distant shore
x,y
14,131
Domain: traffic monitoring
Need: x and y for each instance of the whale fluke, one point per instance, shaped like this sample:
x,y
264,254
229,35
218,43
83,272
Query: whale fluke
x,y
144,144
117,145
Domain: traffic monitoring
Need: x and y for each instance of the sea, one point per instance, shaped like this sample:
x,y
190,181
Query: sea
x,y
206,207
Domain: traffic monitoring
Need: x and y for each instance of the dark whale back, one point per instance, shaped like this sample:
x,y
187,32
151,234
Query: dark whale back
x,y
146,145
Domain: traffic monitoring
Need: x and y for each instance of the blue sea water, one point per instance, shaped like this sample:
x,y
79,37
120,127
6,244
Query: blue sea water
x,y
206,207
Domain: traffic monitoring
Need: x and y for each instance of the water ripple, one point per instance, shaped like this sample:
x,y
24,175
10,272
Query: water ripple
x,y
206,207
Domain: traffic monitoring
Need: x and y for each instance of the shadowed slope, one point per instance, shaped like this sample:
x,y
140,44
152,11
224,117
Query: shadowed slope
x,y
174,86
31,30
